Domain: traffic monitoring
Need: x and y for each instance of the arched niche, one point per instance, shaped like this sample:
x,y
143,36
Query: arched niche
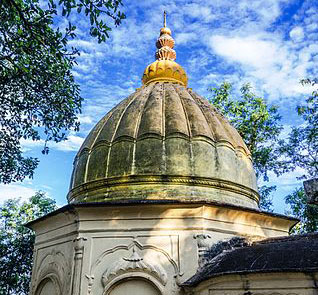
x,y
135,285
47,287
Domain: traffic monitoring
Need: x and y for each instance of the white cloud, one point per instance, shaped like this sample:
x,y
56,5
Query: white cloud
x,y
297,34
85,119
249,51
83,44
184,38
10,191
288,180
311,27
73,143
197,10
267,61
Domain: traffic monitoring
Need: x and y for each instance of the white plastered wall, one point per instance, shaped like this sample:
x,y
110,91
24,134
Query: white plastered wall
x,y
92,250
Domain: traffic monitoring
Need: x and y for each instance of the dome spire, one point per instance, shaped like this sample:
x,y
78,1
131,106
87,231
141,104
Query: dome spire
x,y
165,68
165,42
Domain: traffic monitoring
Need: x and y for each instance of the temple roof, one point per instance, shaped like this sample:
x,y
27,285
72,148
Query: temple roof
x,y
298,253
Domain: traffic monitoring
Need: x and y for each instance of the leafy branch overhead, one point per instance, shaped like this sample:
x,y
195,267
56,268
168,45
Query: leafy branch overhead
x,y
39,98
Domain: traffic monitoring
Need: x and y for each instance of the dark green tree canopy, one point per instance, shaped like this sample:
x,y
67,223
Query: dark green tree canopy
x,y
17,241
301,150
39,98
307,213
301,146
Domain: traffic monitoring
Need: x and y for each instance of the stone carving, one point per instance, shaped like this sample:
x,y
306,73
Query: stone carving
x,y
134,263
90,283
204,243
135,243
53,266
78,261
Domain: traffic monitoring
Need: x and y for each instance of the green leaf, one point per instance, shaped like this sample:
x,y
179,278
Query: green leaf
x,y
44,97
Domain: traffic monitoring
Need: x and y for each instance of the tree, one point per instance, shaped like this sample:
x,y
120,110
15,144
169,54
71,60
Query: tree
x,y
308,213
39,98
301,150
301,147
259,125
17,241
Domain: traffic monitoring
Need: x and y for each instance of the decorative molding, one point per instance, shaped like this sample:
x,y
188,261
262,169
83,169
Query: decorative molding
x,y
203,240
90,283
79,243
115,183
53,266
52,278
142,268
79,246
140,247
134,263
204,243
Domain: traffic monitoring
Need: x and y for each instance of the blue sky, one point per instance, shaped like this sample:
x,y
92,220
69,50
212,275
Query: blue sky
x,y
270,43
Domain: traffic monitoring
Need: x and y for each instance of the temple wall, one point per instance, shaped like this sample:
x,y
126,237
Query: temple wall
x,y
282,283
112,249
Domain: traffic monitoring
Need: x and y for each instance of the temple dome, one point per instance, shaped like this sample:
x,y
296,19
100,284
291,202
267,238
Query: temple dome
x,y
164,142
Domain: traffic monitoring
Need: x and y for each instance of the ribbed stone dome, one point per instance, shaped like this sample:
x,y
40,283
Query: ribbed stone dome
x,y
164,142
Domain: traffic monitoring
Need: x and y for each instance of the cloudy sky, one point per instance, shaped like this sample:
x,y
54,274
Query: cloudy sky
x,y
270,43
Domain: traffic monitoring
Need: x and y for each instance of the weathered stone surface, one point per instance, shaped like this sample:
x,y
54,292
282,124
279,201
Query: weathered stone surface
x,y
92,248
311,190
164,142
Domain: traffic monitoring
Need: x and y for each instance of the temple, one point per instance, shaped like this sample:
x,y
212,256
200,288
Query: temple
x,y
163,200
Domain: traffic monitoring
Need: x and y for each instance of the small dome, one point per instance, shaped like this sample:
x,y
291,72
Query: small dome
x,y
165,70
164,142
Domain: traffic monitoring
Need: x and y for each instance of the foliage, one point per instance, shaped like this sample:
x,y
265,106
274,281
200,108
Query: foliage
x,y
301,148
259,125
16,241
265,192
39,98
307,213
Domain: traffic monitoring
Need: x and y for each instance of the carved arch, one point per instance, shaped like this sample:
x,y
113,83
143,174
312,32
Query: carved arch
x,y
135,243
53,266
49,278
132,265
133,276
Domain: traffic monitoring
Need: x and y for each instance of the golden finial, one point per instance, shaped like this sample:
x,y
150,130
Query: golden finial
x,y
165,30
165,42
165,68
